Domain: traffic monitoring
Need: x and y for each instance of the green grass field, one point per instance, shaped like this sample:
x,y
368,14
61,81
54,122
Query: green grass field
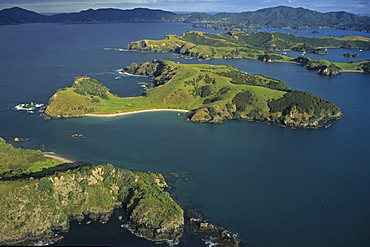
x,y
16,161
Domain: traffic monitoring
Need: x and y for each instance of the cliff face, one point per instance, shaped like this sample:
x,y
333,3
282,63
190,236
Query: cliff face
x,y
32,209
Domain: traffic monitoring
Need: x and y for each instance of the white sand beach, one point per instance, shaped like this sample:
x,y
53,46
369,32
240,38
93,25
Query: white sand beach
x,y
120,114
57,157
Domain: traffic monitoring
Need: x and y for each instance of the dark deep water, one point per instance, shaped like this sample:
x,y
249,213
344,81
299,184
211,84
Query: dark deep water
x,y
274,186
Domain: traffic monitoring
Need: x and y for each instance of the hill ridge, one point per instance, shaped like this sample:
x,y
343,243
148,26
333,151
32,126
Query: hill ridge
x,y
278,17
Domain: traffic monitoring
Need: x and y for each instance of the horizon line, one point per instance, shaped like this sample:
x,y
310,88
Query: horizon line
x,y
178,12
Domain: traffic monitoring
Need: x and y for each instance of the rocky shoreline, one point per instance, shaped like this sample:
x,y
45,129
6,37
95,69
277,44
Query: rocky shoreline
x,y
46,206
216,235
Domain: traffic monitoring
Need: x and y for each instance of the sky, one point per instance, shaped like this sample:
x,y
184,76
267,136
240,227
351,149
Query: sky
x,y
208,6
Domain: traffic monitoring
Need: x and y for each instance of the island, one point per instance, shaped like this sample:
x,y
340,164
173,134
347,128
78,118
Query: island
x,y
209,93
40,196
261,45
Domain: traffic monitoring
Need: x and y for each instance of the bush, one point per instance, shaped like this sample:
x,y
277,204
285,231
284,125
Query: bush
x,y
305,102
84,183
212,111
45,185
30,207
242,100
205,91
210,100
95,100
92,87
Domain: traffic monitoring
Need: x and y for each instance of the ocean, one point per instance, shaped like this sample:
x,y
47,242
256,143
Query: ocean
x,y
273,186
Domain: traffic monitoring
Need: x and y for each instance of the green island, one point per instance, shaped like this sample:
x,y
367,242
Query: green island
x,y
40,200
262,46
211,93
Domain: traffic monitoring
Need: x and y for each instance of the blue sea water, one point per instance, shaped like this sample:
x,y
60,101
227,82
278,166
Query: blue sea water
x,y
274,186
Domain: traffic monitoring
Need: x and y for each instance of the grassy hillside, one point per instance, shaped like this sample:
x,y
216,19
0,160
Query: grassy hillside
x,y
213,94
260,45
17,162
33,207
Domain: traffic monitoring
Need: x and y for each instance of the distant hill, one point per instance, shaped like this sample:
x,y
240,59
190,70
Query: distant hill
x,y
278,17
18,15
114,15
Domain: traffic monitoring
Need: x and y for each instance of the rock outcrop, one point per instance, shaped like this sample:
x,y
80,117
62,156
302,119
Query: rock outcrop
x,y
216,235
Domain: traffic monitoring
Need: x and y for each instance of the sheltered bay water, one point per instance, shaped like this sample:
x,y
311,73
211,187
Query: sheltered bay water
x,y
274,186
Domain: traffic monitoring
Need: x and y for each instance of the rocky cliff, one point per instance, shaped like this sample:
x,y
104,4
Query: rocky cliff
x,y
32,209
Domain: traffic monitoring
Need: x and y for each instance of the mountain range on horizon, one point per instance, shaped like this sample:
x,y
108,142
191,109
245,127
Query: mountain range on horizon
x,y
275,17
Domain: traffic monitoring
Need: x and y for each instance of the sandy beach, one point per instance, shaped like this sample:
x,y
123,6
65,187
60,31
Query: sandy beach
x,y
57,157
121,114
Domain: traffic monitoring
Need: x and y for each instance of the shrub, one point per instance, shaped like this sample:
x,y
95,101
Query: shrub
x,y
30,206
305,102
45,185
210,100
242,100
212,111
95,100
205,91
84,183
92,87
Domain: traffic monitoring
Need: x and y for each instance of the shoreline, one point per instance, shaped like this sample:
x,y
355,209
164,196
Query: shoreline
x,y
58,157
121,114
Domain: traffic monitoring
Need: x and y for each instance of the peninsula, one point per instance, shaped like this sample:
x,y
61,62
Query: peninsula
x,y
211,93
262,46
36,203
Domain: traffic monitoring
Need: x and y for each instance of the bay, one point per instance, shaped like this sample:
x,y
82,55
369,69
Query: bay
x,y
274,186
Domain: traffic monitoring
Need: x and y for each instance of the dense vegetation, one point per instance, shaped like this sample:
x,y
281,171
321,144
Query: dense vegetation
x,y
260,46
85,86
278,17
213,94
32,207
303,102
